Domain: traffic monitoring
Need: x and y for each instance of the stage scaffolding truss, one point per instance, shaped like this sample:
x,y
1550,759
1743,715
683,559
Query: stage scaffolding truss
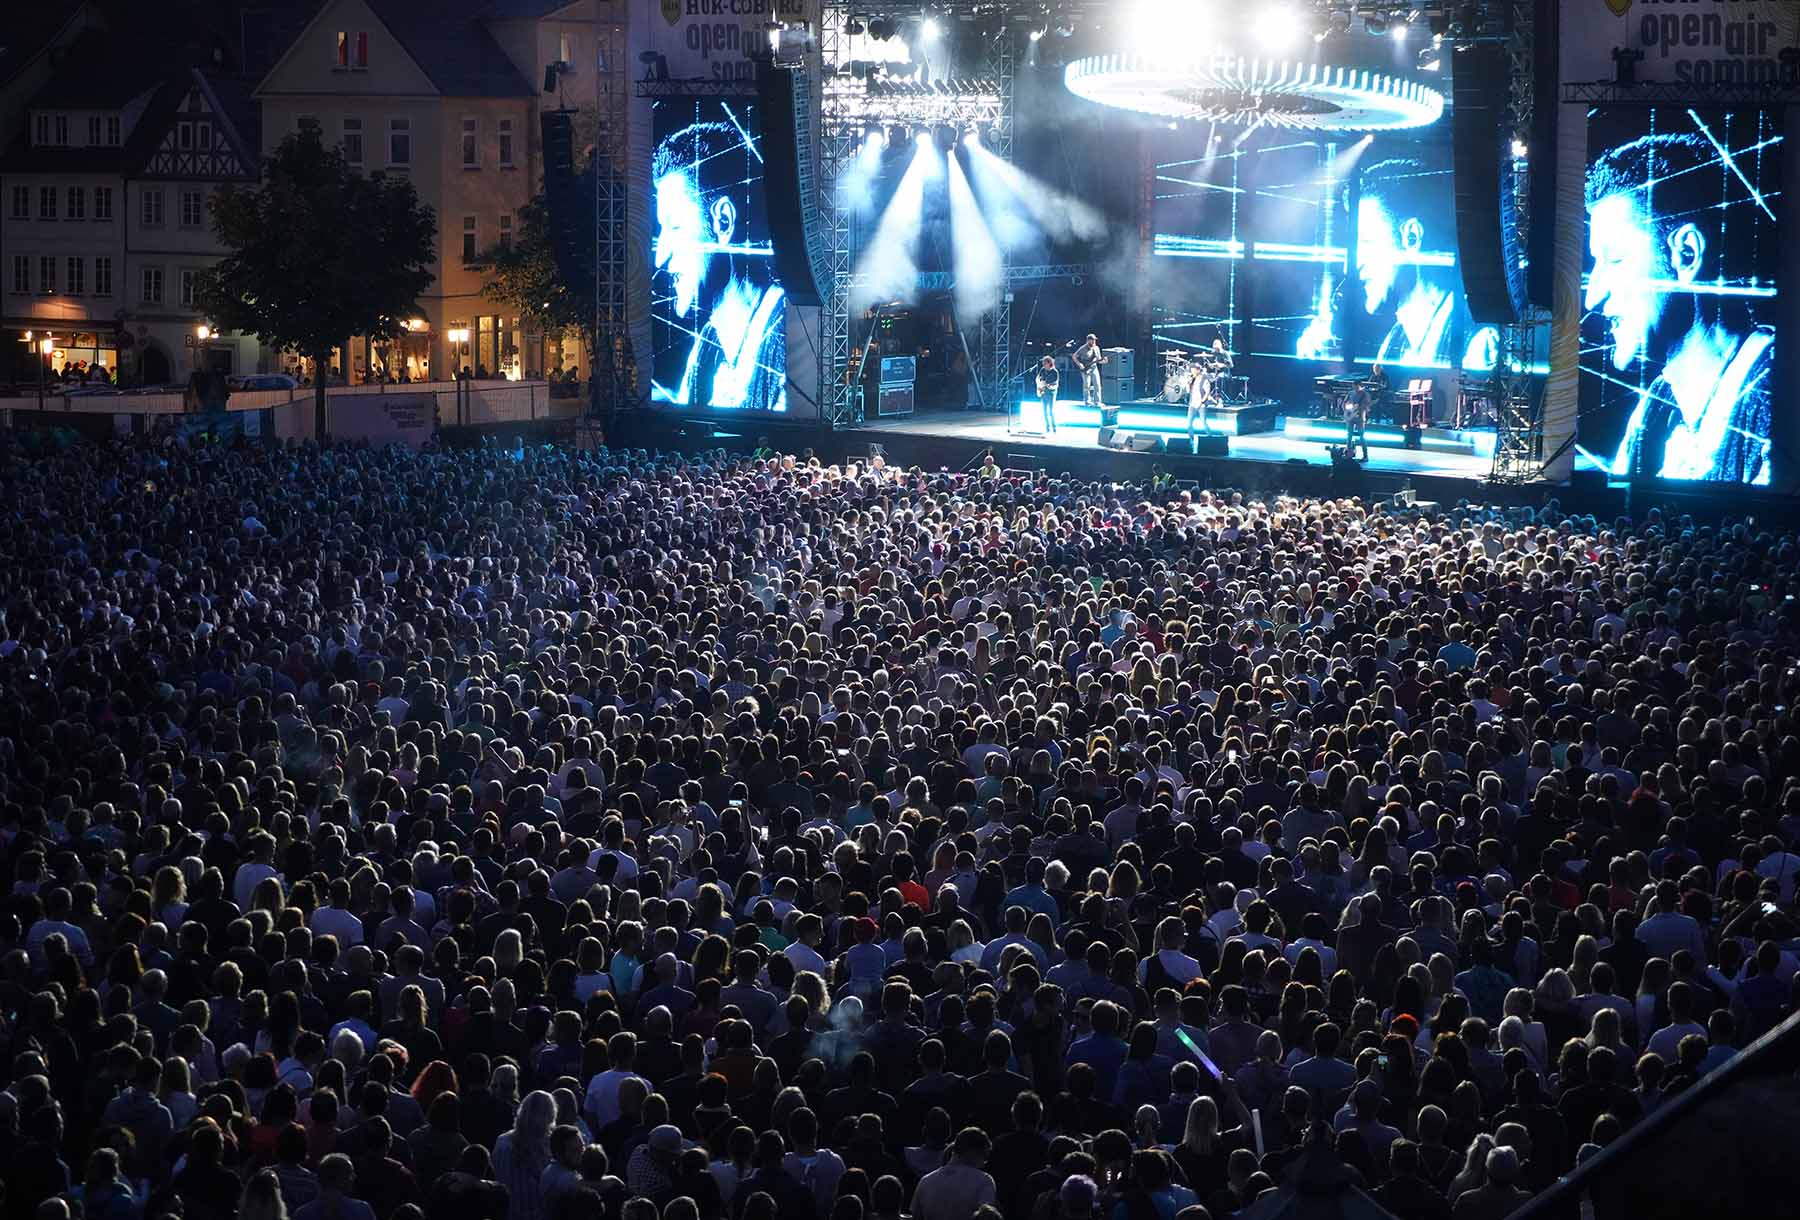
x,y
1519,418
612,365
850,104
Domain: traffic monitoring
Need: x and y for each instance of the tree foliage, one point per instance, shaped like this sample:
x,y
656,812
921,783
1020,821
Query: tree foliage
x,y
318,252
526,276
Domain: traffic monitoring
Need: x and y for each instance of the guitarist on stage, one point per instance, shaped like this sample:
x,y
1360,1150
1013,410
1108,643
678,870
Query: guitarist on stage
x,y
1088,359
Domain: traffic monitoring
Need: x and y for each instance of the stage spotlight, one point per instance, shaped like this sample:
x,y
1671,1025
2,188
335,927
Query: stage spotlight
x,y
1375,23
1278,26
930,30
946,137
881,28
921,135
1520,150
1338,22
1399,31
1035,35
1431,57
853,27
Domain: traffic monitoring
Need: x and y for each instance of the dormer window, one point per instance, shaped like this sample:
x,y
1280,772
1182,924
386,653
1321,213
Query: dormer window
x,y
352,50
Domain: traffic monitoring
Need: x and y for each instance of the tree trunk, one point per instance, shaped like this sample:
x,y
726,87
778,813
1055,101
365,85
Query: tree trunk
x,y
319,359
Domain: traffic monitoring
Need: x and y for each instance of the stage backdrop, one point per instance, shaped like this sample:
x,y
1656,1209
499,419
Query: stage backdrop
x,y
1312,256
1696,43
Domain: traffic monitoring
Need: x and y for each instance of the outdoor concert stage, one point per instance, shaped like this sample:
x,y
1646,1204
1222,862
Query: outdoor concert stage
x,y
1449,463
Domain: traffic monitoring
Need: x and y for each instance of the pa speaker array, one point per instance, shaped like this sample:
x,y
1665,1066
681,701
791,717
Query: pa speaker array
x,y
781,178
1481,144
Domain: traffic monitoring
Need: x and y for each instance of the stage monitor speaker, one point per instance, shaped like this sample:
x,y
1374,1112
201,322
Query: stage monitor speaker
x,y
1108,437
1211,445
781,153
1481,147
566,243
1143,442
1546,69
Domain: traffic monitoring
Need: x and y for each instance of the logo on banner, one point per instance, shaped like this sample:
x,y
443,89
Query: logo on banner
x,y
671,11
1619,7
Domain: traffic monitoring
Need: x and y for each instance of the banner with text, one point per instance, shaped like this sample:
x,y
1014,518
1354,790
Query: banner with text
x,y
1692,42
713,40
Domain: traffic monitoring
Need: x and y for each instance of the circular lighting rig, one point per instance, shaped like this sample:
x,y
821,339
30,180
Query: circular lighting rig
x,y
1233,90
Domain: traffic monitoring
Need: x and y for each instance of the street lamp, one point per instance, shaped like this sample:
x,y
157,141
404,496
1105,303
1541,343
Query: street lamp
x,y
459,342
41,348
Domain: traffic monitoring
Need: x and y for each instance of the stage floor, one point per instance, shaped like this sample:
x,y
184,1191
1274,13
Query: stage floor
x,y
980,427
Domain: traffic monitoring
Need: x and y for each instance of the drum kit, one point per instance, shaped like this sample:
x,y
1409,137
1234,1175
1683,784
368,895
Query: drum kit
x,y
1181,370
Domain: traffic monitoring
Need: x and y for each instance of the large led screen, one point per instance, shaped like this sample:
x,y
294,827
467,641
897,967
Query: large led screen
x,y
1679,293
717,317
1334,251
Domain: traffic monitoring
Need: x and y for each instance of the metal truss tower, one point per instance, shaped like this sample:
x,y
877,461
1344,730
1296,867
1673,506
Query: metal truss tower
x,y
843,111
614,369
1519,428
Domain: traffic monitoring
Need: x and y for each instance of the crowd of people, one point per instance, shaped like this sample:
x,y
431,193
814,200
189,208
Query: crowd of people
x,y
520,833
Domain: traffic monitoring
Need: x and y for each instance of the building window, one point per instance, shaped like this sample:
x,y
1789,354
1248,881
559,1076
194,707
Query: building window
x,y
189,281
112,130
152,210
471,144
506,230
400,142
203,135
21,206
46,203
77,203
93,129
103,277
352,49
153,284
565,52
306,122
353,145
468,249
21,273
62,129
193,209
103,203
184,135
43,130
46,274
506,143
77,278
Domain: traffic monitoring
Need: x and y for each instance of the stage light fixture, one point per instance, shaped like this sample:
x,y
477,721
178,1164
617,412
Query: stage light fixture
x,y
1400,30
930,30
1338,22
853,27
1520,150
881,28
1249,93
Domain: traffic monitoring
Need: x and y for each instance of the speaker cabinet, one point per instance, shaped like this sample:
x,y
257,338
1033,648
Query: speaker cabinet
x,y
781,155
1486,211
